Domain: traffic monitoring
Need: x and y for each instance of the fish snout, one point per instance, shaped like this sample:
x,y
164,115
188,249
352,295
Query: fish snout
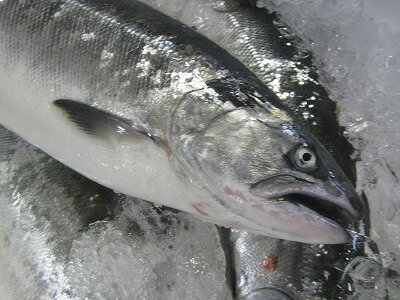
x,y
344,195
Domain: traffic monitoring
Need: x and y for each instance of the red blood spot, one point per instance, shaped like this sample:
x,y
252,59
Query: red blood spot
x,y
271,263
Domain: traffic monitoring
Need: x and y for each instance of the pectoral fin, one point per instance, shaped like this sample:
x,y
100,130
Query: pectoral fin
x,y
100,124
93,121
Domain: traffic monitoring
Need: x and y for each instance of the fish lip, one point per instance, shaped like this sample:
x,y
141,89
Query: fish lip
x,y
325,208
331,201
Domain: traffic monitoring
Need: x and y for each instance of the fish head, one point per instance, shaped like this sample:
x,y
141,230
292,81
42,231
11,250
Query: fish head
x,y
304,178
272,174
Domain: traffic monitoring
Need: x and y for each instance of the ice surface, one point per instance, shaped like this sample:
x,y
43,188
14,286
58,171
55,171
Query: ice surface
x,y
356,47
147,253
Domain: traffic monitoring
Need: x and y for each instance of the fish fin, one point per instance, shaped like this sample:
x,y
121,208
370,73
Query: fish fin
x,y
95,122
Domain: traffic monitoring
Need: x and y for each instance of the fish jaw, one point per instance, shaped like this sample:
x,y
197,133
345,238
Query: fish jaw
x,y
286,219
311,212
331,192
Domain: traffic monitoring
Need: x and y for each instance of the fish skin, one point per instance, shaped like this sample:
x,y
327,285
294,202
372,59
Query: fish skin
x,y
268,293
188,94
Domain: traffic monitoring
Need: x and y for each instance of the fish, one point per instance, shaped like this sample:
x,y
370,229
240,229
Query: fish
x,y
144,105
64,236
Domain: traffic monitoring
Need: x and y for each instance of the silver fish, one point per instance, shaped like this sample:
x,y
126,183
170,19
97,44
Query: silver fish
x,y
146,106
66,237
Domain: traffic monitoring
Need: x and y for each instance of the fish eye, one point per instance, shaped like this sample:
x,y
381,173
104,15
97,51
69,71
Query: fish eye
x,y
305,159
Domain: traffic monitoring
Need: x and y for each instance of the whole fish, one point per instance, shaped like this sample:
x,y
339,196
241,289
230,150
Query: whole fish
x,y
146,106
66,237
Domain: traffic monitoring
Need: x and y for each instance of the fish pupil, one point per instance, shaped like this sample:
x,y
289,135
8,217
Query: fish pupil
x,y
306,157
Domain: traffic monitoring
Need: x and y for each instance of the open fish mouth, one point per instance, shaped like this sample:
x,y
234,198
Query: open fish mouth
x,y
321,206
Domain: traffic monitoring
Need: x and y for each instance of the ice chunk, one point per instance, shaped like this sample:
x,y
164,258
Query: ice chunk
x,y
148,253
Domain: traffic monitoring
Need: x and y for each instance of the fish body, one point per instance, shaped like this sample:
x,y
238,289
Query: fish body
x,y
268,268
146,106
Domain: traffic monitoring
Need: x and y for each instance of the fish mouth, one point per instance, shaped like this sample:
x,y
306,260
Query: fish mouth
x,y
327,209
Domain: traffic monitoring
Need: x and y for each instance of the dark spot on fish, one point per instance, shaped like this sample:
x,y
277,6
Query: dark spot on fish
x,y
194,27
150,219
392,274
170,247
271,263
